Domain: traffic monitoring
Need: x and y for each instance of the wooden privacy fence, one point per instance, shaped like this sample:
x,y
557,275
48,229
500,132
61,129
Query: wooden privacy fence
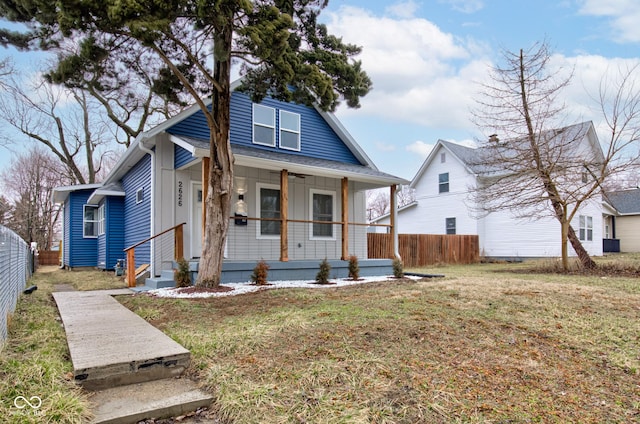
x,y
426,249
49,257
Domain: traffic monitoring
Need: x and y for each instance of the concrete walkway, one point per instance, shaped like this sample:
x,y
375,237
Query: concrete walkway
x,y
112,346
117,353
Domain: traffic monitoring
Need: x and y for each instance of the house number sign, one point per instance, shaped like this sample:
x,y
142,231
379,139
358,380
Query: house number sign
x,y
180,193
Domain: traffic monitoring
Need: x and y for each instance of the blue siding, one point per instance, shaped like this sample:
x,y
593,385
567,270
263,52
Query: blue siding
x,y
137,216
111,244
317,139
82,251
181,156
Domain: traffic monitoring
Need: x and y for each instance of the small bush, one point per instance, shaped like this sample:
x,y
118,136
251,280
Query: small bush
x,y
182,274
323,275
397,268
354,268
260,272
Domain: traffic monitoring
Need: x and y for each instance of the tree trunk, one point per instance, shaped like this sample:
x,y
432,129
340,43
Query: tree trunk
x,y
218,201
582,253
564,229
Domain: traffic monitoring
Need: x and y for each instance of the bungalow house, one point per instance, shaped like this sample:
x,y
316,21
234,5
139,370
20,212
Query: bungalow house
x,y
622,223
443,205
288,157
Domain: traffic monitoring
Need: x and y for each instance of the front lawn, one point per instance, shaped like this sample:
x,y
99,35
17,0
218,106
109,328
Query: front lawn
x,y
484,344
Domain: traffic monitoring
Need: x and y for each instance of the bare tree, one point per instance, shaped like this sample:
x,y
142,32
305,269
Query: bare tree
x,y
30,181
533,166
5,210
60,119
379,203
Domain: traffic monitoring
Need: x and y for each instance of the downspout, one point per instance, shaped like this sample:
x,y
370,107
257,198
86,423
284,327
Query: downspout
x,y
394,211
152,198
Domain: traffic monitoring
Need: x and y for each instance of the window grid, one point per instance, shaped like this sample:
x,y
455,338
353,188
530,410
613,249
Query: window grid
x,y
585,228
264,125
90,221
443,183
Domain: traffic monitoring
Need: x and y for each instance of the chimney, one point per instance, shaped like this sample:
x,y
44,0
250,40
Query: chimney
x,y
493,138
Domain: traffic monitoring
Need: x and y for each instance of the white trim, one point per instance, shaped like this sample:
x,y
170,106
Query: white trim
x,y
259,234
288,130
331,193
192,227
102,219
84,221
139,192
260,124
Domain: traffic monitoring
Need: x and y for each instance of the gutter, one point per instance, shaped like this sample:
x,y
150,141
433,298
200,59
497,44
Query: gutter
x,y
152,194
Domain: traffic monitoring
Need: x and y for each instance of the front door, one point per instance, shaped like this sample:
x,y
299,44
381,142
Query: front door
x,y
196,220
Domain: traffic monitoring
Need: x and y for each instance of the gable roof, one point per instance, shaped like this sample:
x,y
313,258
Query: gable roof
x,y
471,157
626,202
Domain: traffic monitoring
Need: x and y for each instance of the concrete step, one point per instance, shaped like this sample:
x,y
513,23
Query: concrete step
x,y
155,399
159,283
112,346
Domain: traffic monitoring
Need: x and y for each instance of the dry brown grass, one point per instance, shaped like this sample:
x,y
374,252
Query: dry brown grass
x,y
478,346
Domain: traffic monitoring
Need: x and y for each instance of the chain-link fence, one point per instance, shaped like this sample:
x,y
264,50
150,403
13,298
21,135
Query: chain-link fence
x,y
16,267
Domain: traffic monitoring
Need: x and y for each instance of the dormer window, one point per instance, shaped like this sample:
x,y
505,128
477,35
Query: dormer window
x,y
264,125
289,130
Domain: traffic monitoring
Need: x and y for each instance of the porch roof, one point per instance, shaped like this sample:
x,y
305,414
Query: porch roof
x,y
111,189
266,159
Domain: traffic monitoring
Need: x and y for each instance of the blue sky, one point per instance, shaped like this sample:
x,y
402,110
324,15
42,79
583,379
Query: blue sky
x,y
426,57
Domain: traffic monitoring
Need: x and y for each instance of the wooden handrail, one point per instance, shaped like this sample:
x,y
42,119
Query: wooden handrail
x,y
154,236
131,258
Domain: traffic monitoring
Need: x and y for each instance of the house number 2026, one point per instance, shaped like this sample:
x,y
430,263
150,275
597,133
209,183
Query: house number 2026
x,y
180,193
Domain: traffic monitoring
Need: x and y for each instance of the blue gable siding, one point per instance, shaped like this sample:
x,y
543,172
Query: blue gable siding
x,y
82,251
111,243
181,157
317,139
137,216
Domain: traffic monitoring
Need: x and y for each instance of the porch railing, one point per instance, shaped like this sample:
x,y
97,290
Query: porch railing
x,y
130,251
262,238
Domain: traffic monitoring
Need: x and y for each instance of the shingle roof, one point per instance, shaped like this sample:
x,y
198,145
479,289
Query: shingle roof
x,y
625,201
333,167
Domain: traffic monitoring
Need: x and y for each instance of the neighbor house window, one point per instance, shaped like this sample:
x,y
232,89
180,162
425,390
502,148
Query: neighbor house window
x,y
443,157
450,224
264,125
585,177
140,195
586,228
90,221
443,183
322,209
289,130
101,220
268,209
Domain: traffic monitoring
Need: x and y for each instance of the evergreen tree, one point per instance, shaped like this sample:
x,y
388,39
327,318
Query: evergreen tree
x,y
284,52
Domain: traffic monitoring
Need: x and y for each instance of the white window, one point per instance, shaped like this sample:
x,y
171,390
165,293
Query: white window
x,y
289,130
450,225
90,221
443,157
101,220
323,206
140,195
586,228
268,204
264,125
443,183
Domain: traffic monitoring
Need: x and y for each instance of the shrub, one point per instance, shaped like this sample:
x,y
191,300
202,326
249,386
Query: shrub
x,y
260,272
354,268
323,275
397,268
182,274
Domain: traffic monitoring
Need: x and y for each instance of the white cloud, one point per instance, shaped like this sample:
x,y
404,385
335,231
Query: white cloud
x,y
404,10
420,148
624,16
420,74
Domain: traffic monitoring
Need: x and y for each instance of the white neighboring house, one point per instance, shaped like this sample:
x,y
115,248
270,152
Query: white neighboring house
x,y
443,205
